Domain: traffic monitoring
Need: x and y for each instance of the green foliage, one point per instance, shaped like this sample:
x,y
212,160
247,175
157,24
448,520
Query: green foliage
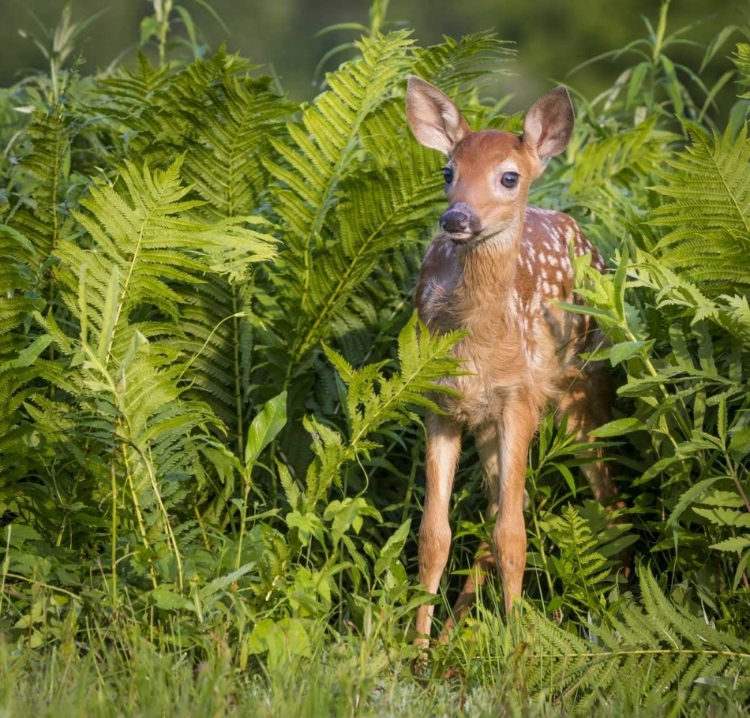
x,y
655,648
211,384
583,572
709,216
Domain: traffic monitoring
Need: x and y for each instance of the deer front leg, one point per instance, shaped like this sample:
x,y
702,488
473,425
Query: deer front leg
x,y
488,446
520,421
443,451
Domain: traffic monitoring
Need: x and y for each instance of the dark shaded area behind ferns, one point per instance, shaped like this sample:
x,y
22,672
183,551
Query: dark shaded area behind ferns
x,y
210,383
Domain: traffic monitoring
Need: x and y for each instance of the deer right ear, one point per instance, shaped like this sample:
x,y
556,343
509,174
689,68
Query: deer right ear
x,y
433,117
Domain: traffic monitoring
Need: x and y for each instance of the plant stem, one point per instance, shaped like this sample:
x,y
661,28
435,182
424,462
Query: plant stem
x,y
246,484
163,11
114,534
138,514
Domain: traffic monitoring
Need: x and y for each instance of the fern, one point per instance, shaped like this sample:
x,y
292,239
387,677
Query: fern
x,y
742,62
317,162
142,241
35,222
583,572
454,64
38,216
18,284
657,648
230,116
139,237
708,212
136,113
605,178
332,283
220,116
379,205
424,360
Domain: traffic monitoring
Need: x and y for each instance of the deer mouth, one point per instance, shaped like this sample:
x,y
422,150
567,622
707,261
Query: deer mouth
x,y
470,240
462,237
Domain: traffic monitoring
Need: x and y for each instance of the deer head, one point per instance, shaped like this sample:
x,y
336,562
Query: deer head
x,y
488,173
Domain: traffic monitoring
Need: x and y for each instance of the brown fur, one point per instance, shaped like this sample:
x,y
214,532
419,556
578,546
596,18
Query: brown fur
x,y
495,281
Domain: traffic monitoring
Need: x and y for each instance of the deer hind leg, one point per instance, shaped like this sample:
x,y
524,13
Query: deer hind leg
x,y
488,446
586,402
519,423
443,451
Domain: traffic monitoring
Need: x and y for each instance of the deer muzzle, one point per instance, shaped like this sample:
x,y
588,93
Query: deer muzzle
x,y
460,222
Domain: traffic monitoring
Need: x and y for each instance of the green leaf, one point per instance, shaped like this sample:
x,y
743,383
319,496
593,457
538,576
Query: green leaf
x,y
168,600
291,490
270,420
726,499
739,446
308,525
690,496
738,543
109,315
26,357
392,548
624,350
618,427
223,581
565,471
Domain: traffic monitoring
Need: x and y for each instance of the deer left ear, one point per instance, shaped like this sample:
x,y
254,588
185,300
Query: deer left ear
x,y
549,124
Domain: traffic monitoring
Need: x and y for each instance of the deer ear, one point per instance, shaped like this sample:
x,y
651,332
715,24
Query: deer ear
x,y
549,124
434,118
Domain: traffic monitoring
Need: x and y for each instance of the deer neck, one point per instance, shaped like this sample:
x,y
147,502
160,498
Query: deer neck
x,y
487,276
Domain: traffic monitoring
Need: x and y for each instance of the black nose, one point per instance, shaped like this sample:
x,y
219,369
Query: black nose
x,y
455,221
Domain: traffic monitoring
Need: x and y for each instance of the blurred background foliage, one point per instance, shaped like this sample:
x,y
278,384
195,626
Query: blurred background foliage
x,y
552,36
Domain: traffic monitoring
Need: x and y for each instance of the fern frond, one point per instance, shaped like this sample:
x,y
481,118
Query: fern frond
x,y
708,210
328,137
229,117
342,224
657,647
606,179
319,158
742,62
136,111
377,211
220,117
374,402
39,211
583,571
143,238
454,63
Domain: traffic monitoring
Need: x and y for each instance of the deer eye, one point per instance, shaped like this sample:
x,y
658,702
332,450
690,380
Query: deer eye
x,y
448,175
509,179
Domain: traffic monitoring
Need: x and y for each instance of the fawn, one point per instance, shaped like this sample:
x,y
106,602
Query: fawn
x,y
491,273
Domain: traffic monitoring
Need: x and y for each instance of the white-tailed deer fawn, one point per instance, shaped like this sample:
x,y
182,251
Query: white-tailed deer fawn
x,y
492,273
